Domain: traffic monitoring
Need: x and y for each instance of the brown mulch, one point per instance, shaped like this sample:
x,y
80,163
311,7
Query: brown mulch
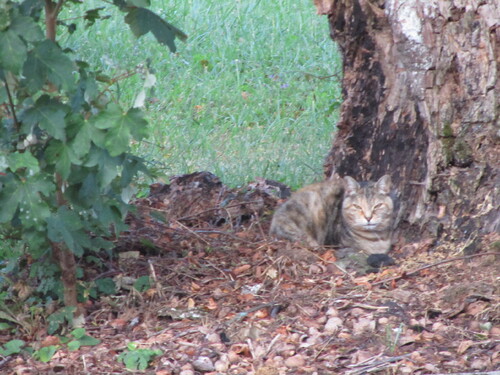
x,y
227,299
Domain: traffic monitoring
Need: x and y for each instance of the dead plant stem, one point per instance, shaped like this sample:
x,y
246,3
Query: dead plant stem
x,y
411,273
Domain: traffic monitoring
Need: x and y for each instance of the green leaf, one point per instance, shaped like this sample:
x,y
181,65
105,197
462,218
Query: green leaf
x,y
47,62
108,170
49,114
13,53
12,347
74,345
142,21
66,226
24,194
87,90
27,28
93,15
57,319
61,155
121,127
136,360
4,16
78,333
139,3
106,286
89,190
45,354
31,8
135,121
80,145
89,341
132,124
142,284
19,160
109,117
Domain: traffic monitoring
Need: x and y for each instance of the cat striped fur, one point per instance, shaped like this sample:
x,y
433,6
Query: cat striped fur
x,y
339,212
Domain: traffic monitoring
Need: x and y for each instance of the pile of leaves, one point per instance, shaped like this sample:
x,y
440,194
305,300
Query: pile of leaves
x,y
203,289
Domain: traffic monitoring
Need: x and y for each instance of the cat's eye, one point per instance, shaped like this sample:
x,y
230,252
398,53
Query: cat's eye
x,y
377,206
357,207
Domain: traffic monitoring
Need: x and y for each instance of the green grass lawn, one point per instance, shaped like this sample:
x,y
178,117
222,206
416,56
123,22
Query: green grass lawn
x,y
246,96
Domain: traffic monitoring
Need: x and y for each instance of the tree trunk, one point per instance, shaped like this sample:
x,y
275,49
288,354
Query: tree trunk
x,y
421,102
62,254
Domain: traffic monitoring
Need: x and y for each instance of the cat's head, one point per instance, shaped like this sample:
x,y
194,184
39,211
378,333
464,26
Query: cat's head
x,y
368,206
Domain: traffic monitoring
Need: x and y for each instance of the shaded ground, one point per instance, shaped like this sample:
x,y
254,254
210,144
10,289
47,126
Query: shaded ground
x,y
229,300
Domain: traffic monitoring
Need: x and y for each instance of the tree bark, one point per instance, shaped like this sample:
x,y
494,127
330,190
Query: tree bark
x,y
421,102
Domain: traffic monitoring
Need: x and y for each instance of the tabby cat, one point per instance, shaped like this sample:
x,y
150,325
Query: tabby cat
x,y
339,212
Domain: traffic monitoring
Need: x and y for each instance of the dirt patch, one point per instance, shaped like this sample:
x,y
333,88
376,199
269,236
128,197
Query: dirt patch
x,y
227,299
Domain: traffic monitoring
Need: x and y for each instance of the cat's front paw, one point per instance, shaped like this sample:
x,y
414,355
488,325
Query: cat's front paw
x,y
379,260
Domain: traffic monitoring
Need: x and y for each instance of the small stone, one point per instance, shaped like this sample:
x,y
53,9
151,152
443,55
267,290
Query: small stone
x,y
233,357
203,364
295,361
479,364
333,325
221,365
383,321
186,372
357,311
438,327
495,332
321,319
332,311
313,331
213,338
363,325
267,370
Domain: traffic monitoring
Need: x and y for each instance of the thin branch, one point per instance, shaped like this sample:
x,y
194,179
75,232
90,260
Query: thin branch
x,y
11,104
58,7
193,232
114,80
411,273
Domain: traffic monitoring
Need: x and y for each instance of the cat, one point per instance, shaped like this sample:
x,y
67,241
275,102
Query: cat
x,y
341,212
310,214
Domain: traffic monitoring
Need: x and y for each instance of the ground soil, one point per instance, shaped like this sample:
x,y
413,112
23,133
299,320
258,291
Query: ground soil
x,y
228,299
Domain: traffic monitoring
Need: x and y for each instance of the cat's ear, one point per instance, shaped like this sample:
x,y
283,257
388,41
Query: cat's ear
x,y
351,185
383,185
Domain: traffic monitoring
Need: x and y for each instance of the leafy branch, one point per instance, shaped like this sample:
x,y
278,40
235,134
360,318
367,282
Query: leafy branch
x,y
66,169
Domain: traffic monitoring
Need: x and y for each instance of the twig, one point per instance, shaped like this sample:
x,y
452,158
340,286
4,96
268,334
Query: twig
x,y
470,373
341,269
193,232
114,80
5,360
411,273
11,104
271,344
366,367
250,347
240,316
153,275
323,347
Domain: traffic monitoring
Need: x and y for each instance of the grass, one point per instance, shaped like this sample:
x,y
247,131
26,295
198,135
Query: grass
x,y
241,99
